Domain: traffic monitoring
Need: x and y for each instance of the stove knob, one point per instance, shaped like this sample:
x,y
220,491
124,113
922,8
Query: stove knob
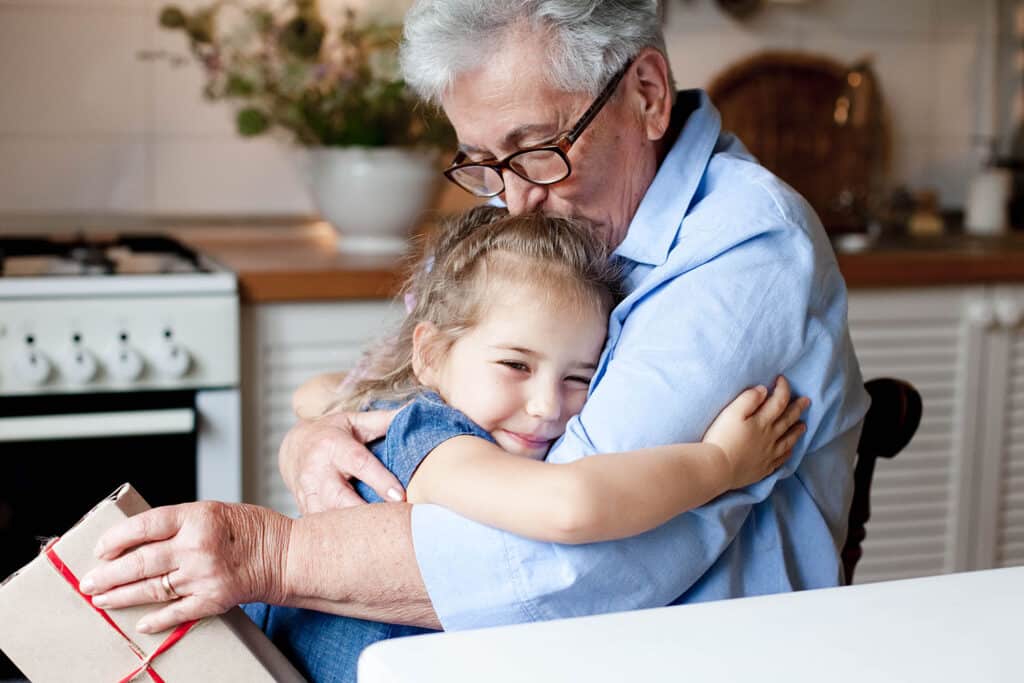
x,y
172,359
126,363
33,367
81,366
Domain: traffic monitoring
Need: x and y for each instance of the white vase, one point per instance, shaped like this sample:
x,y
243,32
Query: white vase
x,y
372,196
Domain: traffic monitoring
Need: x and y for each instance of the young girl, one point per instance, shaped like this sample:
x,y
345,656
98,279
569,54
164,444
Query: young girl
x,y
498,353
495,357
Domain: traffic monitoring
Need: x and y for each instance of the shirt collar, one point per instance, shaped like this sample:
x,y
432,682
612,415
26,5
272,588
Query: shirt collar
x,y
653,230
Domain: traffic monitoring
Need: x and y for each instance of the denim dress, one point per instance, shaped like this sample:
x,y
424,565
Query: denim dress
x,y
323,647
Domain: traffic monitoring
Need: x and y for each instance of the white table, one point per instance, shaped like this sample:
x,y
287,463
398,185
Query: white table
x,y
962,628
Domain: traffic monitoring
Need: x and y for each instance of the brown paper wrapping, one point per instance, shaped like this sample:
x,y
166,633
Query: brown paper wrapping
x,y
52,634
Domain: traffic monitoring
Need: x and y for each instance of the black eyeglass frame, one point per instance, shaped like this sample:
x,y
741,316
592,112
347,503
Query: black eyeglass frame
x,y
560,147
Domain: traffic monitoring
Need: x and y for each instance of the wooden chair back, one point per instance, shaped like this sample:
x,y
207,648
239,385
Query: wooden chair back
x,y
889,425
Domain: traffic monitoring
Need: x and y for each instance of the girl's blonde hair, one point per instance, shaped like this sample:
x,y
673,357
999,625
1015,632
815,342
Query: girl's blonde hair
x,y
449,285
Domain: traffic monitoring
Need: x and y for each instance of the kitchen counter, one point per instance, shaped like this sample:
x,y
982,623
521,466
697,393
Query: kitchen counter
x,y
295,263
283,260
300,262
954,259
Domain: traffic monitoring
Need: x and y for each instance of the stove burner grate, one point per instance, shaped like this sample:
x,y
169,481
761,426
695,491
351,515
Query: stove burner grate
x,y
84,256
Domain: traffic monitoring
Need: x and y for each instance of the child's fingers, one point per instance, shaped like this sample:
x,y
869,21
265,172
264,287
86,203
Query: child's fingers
x,y
777,402
788,440
791,415
749,401
779,462
784,446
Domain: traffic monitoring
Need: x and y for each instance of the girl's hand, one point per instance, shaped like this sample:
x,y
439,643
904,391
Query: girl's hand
x,y
757,432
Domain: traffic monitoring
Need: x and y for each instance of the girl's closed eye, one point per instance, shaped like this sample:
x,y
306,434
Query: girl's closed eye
x,y
585,381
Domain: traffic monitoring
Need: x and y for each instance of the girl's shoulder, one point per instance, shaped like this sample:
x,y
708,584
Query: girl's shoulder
x,y
422,424
425,421
422,397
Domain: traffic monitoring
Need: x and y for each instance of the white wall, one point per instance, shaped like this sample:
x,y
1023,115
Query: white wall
x,y
934,59
87,127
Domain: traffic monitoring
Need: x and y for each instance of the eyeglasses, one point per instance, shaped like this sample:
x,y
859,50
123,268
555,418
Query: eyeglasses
x,y
541,165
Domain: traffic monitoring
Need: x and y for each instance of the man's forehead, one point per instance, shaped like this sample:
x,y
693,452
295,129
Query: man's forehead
x,y
507,97
486,120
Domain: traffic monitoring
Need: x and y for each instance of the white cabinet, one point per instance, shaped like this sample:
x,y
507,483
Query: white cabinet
x,y
283,345
954,499
999,525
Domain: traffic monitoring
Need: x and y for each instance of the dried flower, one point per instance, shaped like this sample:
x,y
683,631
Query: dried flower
x,y
286,68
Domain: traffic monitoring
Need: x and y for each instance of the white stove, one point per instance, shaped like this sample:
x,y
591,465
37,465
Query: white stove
x,y
118,314
119,361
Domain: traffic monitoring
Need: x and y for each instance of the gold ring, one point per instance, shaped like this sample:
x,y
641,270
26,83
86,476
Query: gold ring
x,y
166,581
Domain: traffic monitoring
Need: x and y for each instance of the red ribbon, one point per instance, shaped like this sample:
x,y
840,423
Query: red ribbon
x,y
147,662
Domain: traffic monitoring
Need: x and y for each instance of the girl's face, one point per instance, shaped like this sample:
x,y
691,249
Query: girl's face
x,y
523,370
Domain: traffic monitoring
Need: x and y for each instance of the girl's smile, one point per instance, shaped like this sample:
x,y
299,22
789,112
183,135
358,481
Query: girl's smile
x,y
524,369
529,441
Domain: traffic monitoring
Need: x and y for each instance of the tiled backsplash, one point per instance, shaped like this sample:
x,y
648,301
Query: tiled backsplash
x,y
87,127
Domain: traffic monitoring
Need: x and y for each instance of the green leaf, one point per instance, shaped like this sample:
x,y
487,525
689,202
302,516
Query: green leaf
x,y
238,86
200,26
172,17
251,121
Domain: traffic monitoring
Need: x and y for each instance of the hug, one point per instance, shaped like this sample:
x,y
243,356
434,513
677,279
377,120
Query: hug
x,y
574,418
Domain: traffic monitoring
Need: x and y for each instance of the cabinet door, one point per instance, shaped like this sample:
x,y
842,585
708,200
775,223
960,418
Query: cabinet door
x,y
999,537
283,346
920,502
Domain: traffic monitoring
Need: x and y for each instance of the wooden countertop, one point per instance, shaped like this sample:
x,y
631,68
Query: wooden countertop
x,y
301,263
296,263
931,262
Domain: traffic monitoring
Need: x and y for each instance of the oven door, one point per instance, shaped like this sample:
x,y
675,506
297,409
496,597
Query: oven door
x,y
61,454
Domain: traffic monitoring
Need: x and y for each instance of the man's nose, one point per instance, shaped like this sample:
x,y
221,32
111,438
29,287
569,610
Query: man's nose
x,y
522,196
545,402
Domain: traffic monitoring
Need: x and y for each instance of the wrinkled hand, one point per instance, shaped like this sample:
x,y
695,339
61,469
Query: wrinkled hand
x,y
319,457
757,432
214,556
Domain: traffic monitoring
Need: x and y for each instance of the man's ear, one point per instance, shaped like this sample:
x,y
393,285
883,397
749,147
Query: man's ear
x,y
652,88
424,345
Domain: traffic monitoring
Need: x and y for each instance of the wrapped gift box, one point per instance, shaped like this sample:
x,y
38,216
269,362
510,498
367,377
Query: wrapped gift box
x,y
52,633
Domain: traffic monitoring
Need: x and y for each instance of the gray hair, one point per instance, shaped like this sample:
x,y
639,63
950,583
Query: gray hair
x,y
589,40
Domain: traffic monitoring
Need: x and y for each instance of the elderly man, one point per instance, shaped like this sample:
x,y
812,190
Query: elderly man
x,y
567,107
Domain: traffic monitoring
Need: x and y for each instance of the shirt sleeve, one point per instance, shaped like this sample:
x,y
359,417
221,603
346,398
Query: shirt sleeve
x,y
681,355
420,427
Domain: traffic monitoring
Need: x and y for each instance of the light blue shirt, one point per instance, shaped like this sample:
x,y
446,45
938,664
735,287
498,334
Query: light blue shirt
x,y
733,281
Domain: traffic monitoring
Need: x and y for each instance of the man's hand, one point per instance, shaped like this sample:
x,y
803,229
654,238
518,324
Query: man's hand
x,y
319,457
194,560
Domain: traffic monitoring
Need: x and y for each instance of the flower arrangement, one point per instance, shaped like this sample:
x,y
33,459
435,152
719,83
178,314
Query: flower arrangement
x,y
285,68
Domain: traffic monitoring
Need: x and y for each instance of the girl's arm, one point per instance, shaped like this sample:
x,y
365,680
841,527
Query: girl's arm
x,y
616,495
318,395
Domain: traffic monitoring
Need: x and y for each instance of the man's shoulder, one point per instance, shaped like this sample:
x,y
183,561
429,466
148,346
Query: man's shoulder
x,y
748,239
737,188
744,212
